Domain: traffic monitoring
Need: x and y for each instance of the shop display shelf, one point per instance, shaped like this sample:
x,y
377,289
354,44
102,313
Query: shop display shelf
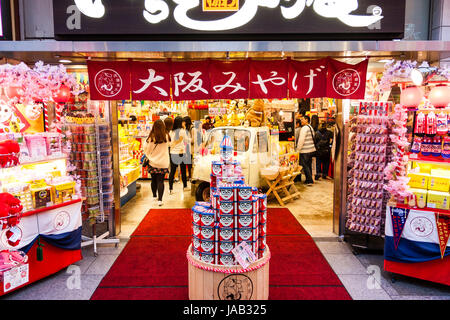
x,y
418,157
56,206
43,160
440,211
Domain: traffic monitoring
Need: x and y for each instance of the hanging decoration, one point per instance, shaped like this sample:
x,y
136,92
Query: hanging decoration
x,y
26,85
394,70
395,171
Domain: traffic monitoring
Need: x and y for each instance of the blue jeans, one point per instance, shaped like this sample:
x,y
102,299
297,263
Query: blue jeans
x,y
306,163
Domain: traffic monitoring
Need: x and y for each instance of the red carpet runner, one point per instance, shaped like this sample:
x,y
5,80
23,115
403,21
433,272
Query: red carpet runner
x,y
153,264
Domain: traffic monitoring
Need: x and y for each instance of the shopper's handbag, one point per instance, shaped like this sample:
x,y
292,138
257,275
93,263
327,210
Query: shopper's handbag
x,y
146,161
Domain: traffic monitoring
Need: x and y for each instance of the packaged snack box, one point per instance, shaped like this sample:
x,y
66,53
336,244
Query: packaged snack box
x,y
247,221
226,234
207,245
206,232
227,193
245,207
195,242
245,234
228,207
226,259
244,193
438,200
207,257
226,220
216,168
225,247
439,183
63,192
418,180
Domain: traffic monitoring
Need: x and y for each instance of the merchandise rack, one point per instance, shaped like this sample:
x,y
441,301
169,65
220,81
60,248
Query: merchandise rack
x,y
101,217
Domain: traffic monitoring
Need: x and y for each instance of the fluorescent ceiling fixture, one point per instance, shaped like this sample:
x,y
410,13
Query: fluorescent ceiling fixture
x,y
385,60
91,8
65,61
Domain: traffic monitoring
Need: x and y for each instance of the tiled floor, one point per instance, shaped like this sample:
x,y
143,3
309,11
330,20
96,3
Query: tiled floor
x,y
362,275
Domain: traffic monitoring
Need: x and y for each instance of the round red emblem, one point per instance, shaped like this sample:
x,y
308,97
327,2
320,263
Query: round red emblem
x,y
346,82
108,82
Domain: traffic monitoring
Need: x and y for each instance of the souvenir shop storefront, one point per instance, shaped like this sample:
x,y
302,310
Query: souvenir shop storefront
x,y
385,130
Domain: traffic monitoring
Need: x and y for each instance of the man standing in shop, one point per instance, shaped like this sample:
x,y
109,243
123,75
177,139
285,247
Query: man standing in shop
x,y
207,125
306,148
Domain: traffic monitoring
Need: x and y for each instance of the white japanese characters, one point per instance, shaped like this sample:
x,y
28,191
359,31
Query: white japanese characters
x,y
274,79
195,85
152,78
236,87
156,11
91,8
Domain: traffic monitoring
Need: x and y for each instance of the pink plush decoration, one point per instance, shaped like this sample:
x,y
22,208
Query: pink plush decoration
x,y
395,170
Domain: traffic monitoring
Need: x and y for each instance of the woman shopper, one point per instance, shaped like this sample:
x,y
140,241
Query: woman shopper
x,y
179,139
189,145
156,149
324,138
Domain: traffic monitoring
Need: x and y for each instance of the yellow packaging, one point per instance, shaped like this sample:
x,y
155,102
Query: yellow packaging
x,y
421,198
439,183
438,200
63,192
418,180
42,197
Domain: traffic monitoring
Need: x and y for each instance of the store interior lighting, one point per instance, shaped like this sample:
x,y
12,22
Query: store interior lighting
x,y
422,73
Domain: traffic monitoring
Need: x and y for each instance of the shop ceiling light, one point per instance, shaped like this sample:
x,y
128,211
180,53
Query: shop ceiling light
x,y
423,73
65,61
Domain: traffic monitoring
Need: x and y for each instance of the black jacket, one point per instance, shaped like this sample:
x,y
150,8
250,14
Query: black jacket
x,y
323,139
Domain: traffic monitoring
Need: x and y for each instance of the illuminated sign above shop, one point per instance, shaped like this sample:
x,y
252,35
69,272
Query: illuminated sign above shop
x,y
231,19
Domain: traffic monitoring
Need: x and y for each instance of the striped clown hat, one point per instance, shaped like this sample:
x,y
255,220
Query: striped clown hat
x,y
226,143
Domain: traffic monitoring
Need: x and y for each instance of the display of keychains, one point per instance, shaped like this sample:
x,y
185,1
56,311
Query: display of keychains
x,y
366,198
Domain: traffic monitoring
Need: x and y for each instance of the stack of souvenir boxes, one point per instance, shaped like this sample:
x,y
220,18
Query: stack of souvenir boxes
x,y
236,213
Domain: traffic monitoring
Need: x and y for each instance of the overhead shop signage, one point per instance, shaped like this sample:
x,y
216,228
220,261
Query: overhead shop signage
x,y
246,79
229,19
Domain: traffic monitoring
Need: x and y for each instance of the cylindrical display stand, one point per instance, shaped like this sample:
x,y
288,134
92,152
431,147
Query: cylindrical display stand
x,y
218,282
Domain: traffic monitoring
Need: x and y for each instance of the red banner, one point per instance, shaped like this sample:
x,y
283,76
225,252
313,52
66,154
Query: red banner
x,y
190,80
229,80
346,81
269,79
109,80
150,81
443,228
202,80
308,79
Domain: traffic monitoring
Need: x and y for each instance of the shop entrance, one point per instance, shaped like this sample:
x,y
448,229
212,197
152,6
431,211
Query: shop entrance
x,y
312,206
319,207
